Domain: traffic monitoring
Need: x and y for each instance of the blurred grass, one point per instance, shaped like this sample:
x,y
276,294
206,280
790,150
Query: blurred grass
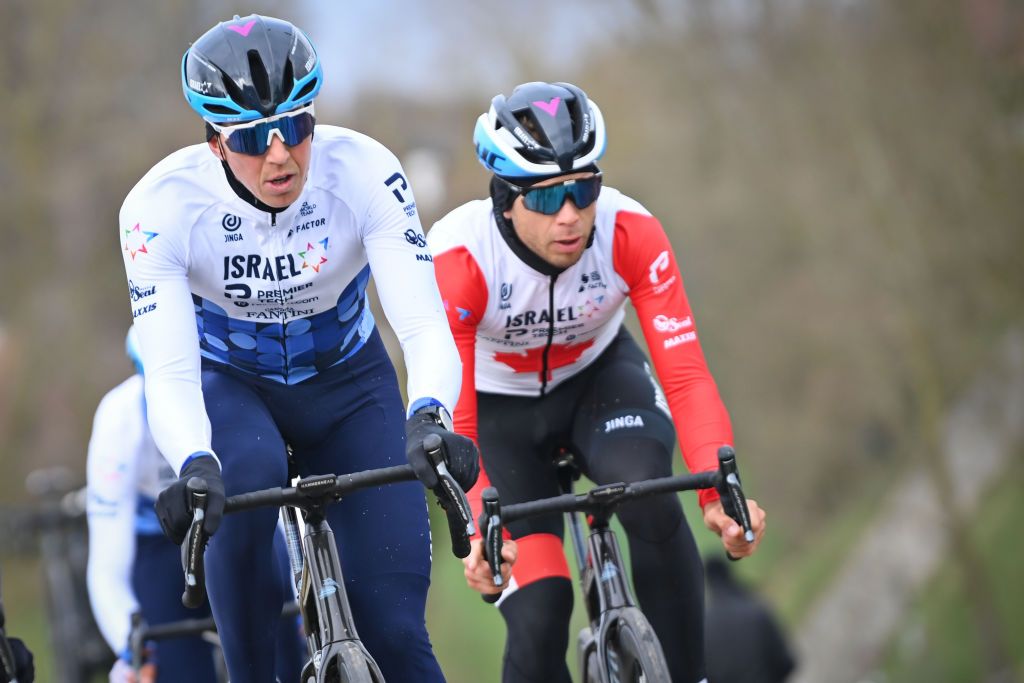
x,y
23,606
937,642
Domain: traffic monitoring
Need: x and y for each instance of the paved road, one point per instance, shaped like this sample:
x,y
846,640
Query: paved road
x,y
845,634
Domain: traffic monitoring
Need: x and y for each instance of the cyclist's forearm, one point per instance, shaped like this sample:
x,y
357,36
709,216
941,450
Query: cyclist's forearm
x,y
109,578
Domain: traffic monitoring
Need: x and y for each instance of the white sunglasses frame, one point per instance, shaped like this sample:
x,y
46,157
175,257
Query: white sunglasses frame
x,y
226,131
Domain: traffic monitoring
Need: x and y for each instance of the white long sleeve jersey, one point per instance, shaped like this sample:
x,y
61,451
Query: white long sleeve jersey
x,y
124,473
278,296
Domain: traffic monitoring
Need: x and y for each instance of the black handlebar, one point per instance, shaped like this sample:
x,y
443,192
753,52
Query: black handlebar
x,y
306,493
725,480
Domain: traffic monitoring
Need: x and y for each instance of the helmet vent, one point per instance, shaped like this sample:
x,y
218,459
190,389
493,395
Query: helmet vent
x,y
287,78
306,89
260,80
220,109
532,128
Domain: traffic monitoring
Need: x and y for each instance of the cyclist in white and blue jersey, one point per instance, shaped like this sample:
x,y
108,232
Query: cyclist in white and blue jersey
x,y
248,258
132,567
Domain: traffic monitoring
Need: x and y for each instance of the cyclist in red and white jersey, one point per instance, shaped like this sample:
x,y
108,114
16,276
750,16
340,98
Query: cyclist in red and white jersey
x,y
535,281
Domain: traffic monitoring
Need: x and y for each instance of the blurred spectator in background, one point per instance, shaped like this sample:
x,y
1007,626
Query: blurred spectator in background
x,y
138,568
745,643
132,566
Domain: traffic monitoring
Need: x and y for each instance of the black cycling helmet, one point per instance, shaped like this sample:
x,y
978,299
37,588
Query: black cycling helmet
x,y
250,68
540,130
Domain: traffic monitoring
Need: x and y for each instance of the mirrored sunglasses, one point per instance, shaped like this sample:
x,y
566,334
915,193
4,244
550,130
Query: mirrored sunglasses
x,y
549,199
254,137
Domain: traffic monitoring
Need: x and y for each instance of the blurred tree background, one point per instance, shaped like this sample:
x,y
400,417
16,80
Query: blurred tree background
x,y
838,179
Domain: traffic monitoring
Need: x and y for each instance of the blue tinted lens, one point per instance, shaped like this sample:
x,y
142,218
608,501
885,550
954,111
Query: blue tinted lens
x,y
549,200
254,140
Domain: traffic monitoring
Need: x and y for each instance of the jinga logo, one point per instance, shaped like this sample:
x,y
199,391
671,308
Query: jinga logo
x,y
231,222
663,323
506,291
624,422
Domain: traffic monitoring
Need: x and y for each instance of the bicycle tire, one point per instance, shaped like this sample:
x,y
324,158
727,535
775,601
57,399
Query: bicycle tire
x,y
633,653
350,663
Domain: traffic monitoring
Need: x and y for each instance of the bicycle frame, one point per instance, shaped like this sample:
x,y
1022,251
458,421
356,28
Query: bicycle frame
x,y
334,646
619,638
602,576
323,601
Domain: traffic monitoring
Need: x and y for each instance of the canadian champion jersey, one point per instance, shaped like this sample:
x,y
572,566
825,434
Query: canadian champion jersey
x,y
521,332
278,296
124,472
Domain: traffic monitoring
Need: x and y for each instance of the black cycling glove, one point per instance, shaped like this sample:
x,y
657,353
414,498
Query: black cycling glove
x,y
24,666
173,506
461,455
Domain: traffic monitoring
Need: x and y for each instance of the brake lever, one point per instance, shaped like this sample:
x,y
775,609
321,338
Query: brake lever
x,y
194,546
734,502
451,497
135,642
490,523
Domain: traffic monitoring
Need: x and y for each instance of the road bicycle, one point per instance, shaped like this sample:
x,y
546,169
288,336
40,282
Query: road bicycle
x,y
143,634
618,645
336,653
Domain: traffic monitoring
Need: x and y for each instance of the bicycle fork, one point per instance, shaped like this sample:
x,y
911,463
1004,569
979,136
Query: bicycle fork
x,y
323,600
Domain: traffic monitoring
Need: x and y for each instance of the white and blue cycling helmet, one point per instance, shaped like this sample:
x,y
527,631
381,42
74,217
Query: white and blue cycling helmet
x,y
131,348
250,68
541,130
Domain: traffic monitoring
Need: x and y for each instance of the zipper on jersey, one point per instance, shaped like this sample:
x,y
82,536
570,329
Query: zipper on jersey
x,y
551,336
278,243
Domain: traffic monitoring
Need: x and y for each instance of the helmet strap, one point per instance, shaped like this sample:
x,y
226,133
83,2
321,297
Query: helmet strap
x,y
502,198
241,190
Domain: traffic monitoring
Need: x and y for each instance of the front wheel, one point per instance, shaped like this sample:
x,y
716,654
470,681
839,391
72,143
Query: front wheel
x,y
350,663
632,651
